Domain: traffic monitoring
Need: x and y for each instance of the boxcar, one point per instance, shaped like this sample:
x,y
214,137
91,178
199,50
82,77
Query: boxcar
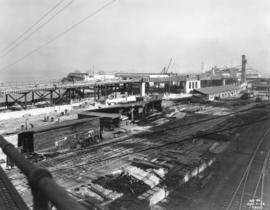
x,y
61,136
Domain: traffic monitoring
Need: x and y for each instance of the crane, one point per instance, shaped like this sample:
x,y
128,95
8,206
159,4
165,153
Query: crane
x,y
165,70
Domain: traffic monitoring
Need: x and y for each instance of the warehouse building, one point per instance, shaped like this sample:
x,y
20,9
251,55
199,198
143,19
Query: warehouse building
x,y
217,92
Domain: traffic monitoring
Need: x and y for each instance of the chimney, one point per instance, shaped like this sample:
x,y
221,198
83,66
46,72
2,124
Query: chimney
x,y
243,70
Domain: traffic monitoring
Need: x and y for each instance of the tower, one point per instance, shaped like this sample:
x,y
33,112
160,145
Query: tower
x,y
243,70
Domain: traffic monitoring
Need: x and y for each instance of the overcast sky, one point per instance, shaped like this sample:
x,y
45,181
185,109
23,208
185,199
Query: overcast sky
x,y
135,35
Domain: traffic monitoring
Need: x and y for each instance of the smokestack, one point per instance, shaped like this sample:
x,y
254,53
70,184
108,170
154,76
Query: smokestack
x,y
244,63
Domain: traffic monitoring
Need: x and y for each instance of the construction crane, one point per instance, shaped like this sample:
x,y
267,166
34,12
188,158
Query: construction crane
x,y
165,70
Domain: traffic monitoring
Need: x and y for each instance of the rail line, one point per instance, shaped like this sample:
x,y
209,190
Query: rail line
x,y
244,191
261,181
9,197
84,152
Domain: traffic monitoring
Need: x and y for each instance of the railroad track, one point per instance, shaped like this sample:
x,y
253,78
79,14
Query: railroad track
x,y
250,190
172,134
9,197
70,156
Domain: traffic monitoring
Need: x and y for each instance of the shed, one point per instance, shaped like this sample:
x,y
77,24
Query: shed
x,y
219,91
107,120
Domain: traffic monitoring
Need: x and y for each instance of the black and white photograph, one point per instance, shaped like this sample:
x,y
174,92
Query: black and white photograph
x,y
134,105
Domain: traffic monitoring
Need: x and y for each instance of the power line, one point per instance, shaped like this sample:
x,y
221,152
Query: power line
x,y
59,35
32,26
37,29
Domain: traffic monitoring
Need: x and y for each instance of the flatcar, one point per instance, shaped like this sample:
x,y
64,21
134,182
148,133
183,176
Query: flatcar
x,y
60,136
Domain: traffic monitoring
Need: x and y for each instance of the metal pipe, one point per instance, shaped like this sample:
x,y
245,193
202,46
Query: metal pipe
x,y
40,180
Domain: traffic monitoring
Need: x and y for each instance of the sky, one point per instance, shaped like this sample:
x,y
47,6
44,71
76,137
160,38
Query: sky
x,y
132,36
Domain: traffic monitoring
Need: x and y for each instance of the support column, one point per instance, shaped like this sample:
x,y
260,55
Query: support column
x,y
223,82
142,89
124,90
187,87
6,100
94,93
33,97
25,100
147,87
98,92
131,88
106,90
51,97
115,90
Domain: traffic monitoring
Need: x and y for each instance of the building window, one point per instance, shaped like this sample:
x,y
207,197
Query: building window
x,y
189,85
196,84
192,84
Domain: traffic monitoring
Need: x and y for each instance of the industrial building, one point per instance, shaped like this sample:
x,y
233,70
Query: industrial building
x,y
218,92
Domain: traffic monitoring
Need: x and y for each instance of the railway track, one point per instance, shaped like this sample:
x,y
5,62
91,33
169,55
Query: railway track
x,y
9,197
172,134
119,148
249,191
71,162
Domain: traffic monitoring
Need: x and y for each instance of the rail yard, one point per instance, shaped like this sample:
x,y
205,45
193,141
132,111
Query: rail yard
x,y
134,105
174,157
139,142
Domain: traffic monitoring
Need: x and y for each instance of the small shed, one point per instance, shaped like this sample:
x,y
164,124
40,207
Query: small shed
x,y
210,93
107,120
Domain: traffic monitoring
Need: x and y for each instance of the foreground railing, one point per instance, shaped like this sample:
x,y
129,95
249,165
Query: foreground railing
x,y
44,189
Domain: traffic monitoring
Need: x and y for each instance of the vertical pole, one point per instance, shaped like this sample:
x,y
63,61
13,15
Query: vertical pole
x,y
132,114
6,100
243,70
33,97
94,93
25,100
51,96
106,90
125,87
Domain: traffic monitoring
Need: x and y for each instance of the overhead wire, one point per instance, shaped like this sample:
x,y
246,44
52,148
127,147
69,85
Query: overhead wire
x,y
59,35
32,26
36,30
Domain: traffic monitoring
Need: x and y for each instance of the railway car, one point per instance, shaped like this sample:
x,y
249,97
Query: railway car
x,y
60,137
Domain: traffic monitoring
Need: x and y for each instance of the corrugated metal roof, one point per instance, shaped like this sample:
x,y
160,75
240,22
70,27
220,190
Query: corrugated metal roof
x,y
217,89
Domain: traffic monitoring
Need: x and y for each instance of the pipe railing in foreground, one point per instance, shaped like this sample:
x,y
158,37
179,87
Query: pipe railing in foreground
x,y
44,188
